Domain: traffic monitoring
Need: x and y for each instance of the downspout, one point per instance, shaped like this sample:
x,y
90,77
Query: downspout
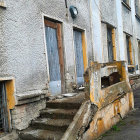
x,y
67,10
66,4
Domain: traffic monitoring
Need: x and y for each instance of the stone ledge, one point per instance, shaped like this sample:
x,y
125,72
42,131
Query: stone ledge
x,y
106,71
134,76
3,4
6,78
31,96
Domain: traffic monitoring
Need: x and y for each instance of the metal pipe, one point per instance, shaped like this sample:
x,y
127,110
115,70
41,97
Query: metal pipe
x,y
66,4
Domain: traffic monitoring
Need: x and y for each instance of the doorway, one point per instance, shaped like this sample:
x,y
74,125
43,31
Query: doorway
x,y
80,55
55,57
4,124
139,54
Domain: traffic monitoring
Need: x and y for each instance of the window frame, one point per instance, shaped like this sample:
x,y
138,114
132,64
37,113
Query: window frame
x,y
113,43
138,54
127,4
129,50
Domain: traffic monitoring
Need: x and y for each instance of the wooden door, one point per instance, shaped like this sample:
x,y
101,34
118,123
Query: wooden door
x,y
55,57
79,56
139,54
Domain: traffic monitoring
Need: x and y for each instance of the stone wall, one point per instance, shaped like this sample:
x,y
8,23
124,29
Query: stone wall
x,y
23,115
108,116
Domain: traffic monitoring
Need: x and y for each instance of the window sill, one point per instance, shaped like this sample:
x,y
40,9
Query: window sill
x,y
126,5
2,4
131,66
137,16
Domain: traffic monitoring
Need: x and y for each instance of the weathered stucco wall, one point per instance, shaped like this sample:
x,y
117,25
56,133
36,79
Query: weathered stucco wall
x,y
104,106
24,43
108,11
137,28
108,116
127,20
26,61
111,15
96,30
121,48
23,50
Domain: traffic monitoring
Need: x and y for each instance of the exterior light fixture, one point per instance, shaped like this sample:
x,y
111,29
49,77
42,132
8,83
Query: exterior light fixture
x,y
73,11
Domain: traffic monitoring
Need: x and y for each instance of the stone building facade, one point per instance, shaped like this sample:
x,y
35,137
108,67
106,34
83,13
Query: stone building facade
x,y
123,17
24,61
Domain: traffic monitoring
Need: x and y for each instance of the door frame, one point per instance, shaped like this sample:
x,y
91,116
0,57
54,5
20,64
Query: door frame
x,y
139,55
84,48
58,26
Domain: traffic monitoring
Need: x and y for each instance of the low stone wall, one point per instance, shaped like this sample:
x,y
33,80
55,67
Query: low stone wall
x,y
108,116
90,121
22,115
105,107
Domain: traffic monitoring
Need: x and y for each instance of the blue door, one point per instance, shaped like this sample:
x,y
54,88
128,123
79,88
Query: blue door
x,y
54,48
79,57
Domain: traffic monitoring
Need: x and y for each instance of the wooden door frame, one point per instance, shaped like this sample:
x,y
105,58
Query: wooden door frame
x,y
58,27
138,54
84,49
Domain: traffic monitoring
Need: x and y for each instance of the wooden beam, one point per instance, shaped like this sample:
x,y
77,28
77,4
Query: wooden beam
x,y
84,47
114,45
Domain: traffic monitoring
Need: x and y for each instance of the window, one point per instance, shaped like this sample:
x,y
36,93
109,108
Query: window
x,y
111,44
127,2
137,7
129,50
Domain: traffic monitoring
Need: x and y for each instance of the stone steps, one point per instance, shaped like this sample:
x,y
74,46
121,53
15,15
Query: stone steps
x,y
63,105
54,120
137,98
58,113
39,134
51,124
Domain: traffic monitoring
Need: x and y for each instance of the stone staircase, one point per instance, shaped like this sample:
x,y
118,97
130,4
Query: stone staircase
x,y
54,120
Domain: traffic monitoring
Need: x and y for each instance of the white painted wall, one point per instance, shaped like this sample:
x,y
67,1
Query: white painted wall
x,y
96,30
120,30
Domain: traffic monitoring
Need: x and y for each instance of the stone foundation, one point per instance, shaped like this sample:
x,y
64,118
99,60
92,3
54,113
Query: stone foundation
x,y
108,116
23,115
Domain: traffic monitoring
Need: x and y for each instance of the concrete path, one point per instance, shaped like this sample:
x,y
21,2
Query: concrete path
x,y
129,128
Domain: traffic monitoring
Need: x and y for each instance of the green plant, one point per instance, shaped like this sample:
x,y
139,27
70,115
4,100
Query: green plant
x,y
115,128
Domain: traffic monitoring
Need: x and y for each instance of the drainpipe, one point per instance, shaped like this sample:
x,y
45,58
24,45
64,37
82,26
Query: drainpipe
x,y
66,4
67,10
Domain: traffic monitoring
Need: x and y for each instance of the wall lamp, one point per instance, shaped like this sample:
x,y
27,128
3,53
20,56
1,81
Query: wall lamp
x,y
73,11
